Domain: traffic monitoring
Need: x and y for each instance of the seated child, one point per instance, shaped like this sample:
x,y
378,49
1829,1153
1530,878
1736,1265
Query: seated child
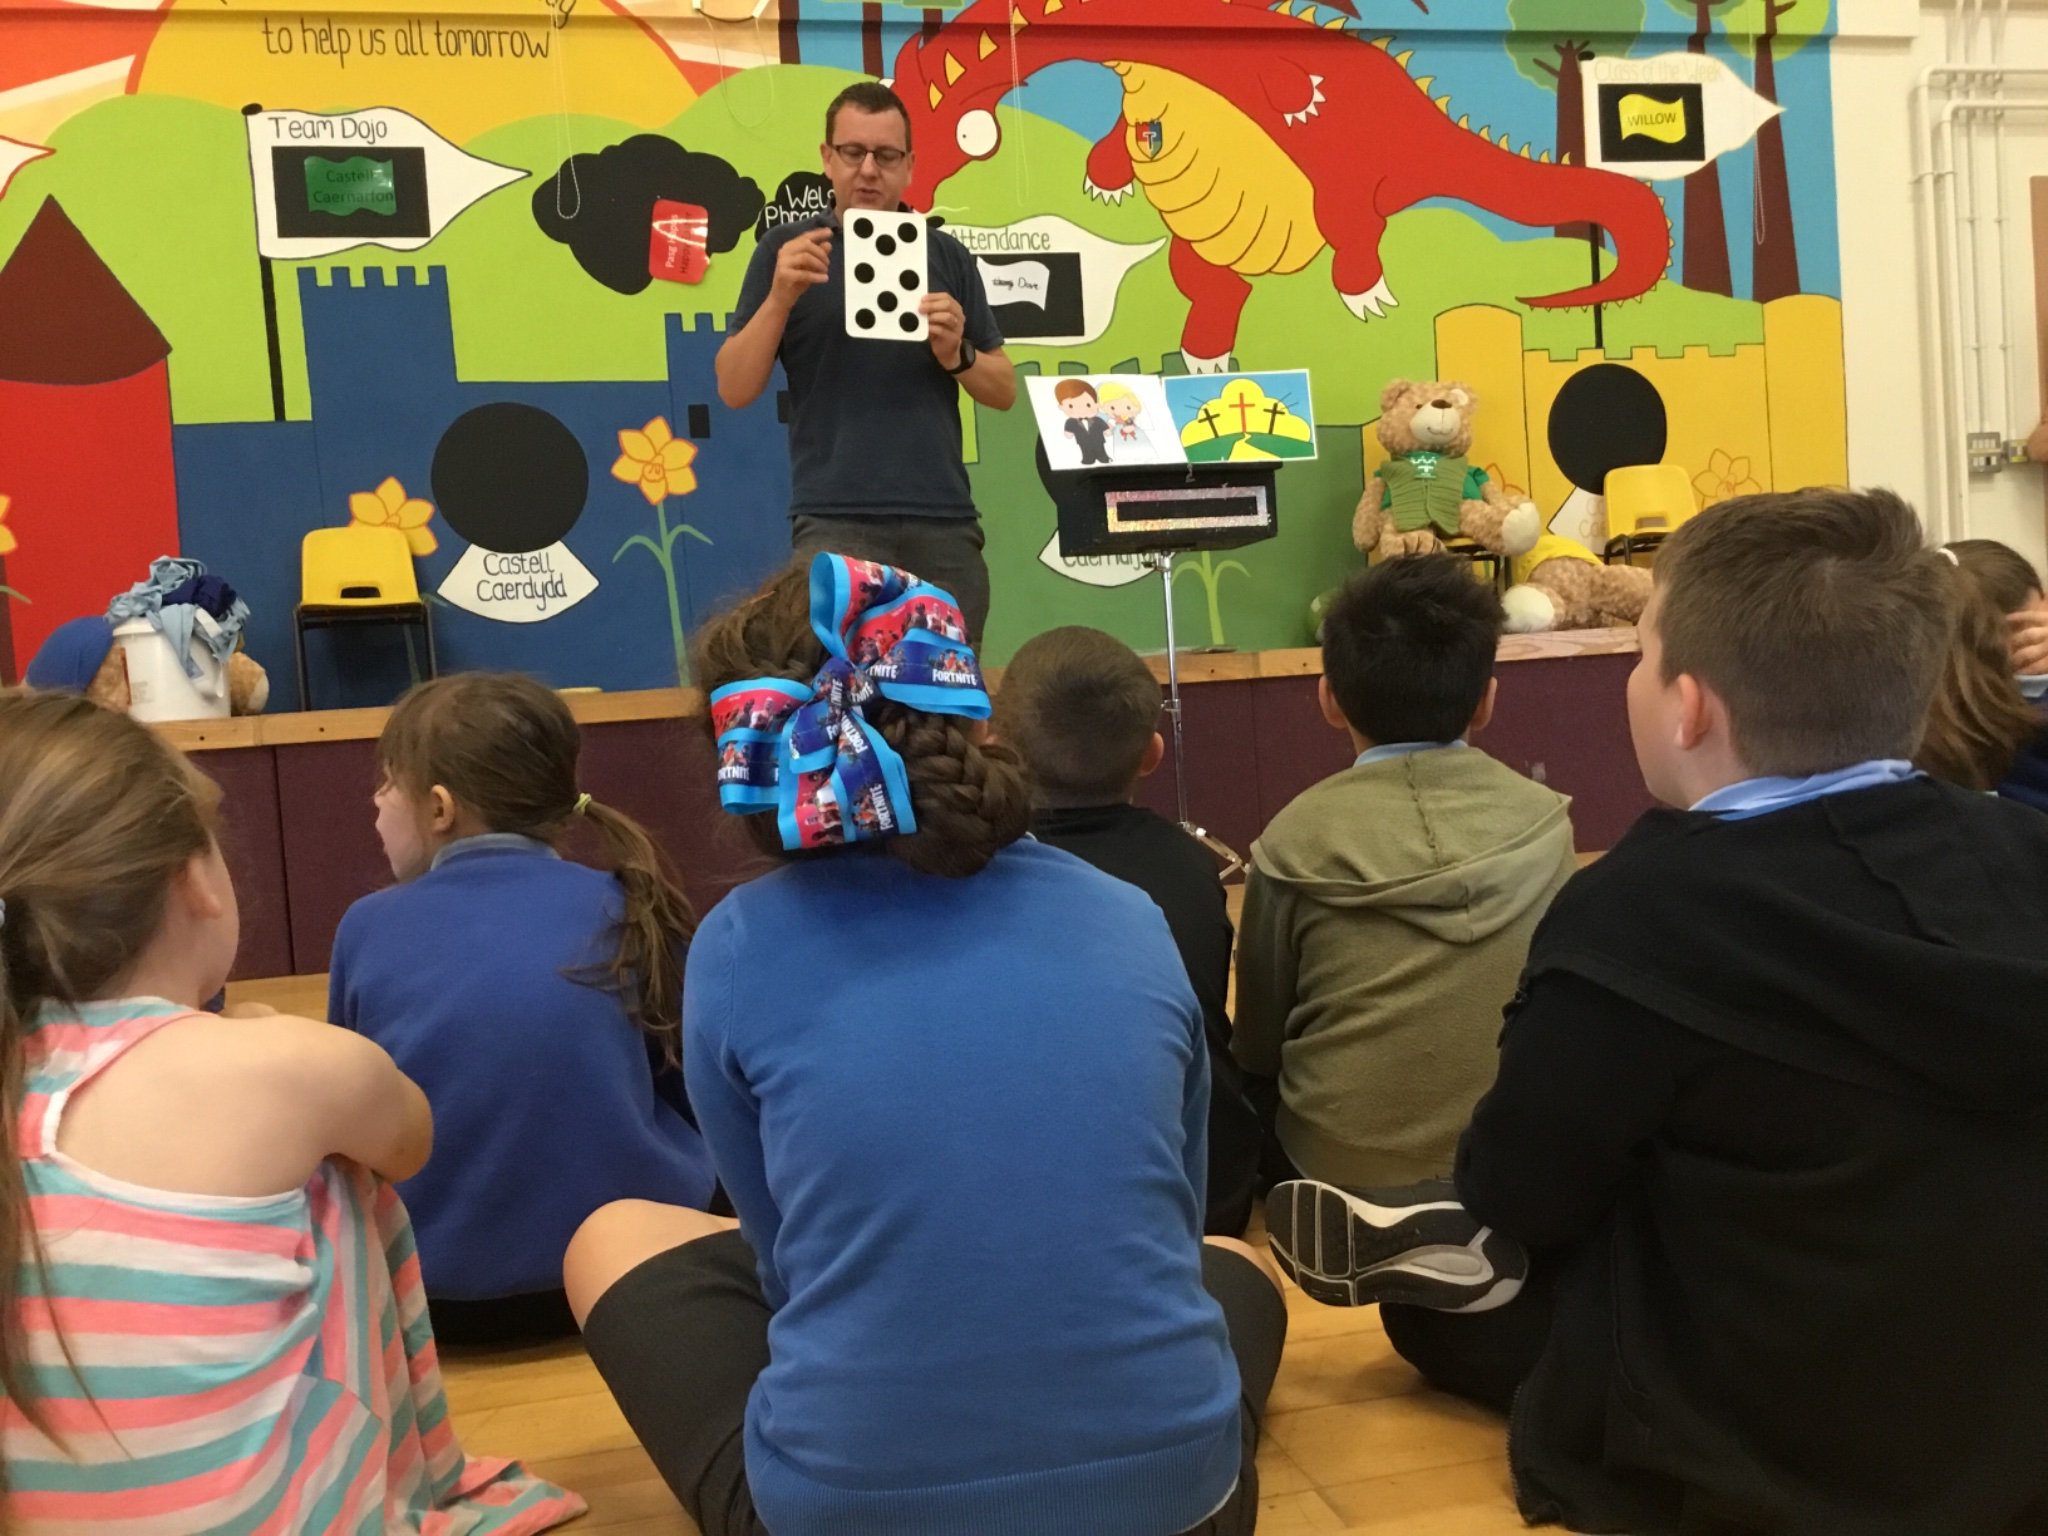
x,y
211,1320
537,1001
1389,908
1769,1110
2014,587
1083,709
1979,722
956,1085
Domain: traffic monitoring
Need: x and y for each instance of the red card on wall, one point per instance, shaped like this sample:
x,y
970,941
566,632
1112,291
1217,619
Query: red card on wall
x,y
677,250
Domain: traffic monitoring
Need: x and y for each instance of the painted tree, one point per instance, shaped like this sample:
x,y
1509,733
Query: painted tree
x,y
1704,260
1550,41
1779,28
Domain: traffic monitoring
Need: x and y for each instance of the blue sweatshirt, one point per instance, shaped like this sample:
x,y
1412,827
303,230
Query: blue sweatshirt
x,y
964,1125
544,1093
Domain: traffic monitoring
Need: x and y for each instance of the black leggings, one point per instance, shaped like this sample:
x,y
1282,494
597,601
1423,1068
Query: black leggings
x,y
681,1338
1481,1356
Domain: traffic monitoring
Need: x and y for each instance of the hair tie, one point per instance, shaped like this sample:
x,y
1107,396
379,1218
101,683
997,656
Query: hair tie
x,y
582,805
3,911
1952,558
807,752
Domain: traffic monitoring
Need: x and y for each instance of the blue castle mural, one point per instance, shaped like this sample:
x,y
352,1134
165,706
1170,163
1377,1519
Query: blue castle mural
x,y
385,389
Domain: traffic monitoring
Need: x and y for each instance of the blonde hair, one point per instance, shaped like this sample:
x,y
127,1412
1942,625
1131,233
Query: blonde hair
x,y
1111,393
505,747
97,817
970,798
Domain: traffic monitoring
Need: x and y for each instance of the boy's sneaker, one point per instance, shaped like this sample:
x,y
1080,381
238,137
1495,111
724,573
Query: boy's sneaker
x,y
1416,1246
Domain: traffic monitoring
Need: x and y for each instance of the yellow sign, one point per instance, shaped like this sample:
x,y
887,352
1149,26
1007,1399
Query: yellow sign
x,y
1645,118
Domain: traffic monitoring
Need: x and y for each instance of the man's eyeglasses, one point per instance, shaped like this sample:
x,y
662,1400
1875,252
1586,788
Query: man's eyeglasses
x,y
852,155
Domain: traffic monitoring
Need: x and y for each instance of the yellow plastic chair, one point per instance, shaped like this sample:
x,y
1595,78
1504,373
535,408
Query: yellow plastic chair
x,y
1646,503
358,575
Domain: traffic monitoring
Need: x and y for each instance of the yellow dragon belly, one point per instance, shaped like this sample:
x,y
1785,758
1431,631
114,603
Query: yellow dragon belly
x,y
1218,180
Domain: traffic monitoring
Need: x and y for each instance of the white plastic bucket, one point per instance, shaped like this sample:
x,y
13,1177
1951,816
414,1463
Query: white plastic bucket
x,y
157,685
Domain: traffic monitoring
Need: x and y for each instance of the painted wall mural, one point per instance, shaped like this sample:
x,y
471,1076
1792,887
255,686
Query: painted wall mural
x,y
268,266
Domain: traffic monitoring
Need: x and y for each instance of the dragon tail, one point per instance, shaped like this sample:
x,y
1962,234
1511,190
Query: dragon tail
x,y
1540,194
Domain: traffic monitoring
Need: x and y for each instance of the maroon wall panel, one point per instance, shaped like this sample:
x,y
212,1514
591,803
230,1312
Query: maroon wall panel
x,y
661,773
252,839
1565,722
331,853
1297,746
1223,764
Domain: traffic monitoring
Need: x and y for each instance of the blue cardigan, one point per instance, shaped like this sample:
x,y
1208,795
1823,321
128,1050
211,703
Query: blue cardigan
x,y
546,1101
964,1125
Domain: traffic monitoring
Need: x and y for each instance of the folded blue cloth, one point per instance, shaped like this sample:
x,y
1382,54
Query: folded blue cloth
x,y
72,656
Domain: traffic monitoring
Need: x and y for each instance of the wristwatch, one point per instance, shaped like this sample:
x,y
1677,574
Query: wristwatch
x,y
967,357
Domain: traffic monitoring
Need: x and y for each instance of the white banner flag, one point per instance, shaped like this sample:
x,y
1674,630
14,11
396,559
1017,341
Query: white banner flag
x,y
328,182
1667,116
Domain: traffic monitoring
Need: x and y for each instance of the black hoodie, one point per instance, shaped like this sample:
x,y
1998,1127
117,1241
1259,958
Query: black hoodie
x,y
1775,1093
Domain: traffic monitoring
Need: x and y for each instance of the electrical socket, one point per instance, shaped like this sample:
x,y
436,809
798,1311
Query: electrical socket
x,y
1987,452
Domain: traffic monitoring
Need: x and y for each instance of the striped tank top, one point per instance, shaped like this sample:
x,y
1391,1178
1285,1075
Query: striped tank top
x,y
255,1366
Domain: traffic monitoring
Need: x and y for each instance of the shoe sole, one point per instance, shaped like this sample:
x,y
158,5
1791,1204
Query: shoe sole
x,y
1346,1251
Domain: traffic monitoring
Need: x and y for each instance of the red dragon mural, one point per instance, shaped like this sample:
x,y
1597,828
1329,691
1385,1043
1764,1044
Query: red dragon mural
x,y
1261,137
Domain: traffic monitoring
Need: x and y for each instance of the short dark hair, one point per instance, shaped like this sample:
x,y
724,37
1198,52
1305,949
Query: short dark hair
x,y
1408,648
1081,707
868,96
1821,617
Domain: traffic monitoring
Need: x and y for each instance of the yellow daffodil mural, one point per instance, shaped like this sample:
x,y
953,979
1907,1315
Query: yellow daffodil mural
x,y
658,462
8,545
1724,478
389,507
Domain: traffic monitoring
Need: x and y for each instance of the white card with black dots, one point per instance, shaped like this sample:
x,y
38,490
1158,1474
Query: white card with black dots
x,y
885,276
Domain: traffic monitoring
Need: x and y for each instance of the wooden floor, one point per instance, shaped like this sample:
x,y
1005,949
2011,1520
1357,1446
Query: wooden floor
x,y
1353,1442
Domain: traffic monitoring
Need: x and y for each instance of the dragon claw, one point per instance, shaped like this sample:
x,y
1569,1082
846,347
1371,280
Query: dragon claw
x,y
1373,305
1204,364
1105,194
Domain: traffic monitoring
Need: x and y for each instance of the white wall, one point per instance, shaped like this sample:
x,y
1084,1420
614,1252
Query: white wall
x,y
1887,282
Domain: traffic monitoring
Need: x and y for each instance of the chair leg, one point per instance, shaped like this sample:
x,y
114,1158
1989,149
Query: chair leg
x,y
299,650
433,656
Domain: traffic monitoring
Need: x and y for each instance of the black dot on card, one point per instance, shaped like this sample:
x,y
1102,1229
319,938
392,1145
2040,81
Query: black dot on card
x,y
863,227
864,273
908,280
886,302
909,324
865,319
884,246
907,232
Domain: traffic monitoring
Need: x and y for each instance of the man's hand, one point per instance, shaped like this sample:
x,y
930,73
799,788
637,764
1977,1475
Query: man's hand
x,y
948,324
801,265
2029,641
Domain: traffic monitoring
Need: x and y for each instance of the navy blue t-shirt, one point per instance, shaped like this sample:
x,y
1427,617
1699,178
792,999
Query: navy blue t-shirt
x,y
874,426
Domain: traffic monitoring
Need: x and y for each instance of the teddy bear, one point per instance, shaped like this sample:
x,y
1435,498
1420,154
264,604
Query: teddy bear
x,y
1427,491
1561,584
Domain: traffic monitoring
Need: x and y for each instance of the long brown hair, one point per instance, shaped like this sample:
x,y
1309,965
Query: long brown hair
x,y
505,748
1978,720
2007,576
970,797
97,816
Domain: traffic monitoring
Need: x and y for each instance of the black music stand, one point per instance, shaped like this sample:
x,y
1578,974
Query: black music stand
x,y
1162,512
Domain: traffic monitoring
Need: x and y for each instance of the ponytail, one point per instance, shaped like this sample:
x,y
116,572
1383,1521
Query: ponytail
x,y
505,748
646,969
1977,722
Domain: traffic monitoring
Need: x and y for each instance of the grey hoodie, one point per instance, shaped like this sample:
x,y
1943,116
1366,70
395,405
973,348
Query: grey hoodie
x,y
1386,921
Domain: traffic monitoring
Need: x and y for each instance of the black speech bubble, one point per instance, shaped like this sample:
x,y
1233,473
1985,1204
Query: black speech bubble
x,y
602,206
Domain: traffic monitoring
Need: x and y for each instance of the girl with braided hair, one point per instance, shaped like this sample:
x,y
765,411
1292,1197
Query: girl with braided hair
x,y
955,1083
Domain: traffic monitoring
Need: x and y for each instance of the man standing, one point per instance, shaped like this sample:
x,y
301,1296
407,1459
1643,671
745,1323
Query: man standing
x,y
874,428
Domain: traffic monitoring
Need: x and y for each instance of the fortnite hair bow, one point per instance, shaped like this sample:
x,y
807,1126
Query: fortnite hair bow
x,y
807,752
